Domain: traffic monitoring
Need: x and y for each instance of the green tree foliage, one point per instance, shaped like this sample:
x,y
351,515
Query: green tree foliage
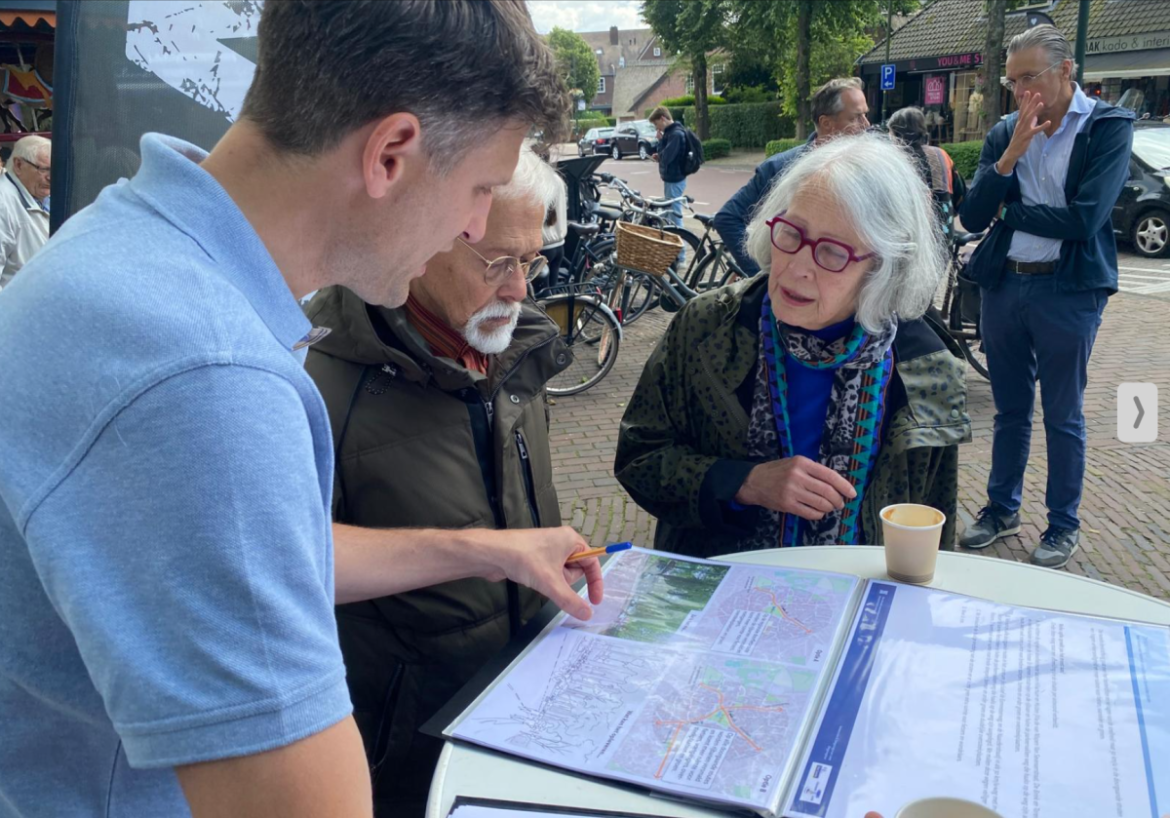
x,y
691,29
810,41
576,61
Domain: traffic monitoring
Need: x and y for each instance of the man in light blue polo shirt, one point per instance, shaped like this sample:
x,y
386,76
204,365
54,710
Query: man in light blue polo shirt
x,y
168,568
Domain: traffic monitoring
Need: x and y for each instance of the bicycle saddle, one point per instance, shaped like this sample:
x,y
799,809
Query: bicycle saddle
x,y
704,219
583,230
960,238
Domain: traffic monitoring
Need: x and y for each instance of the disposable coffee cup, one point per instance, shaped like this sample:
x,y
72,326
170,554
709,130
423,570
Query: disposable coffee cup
x,y
946,808
911,534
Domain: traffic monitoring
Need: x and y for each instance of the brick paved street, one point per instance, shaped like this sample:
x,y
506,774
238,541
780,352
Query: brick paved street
x,y
1126,508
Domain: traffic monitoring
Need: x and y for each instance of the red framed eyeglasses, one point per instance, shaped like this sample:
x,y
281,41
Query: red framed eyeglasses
x,y
829,254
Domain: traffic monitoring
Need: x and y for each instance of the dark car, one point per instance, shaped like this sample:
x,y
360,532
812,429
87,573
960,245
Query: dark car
x,y
1142,213
595,140
635,138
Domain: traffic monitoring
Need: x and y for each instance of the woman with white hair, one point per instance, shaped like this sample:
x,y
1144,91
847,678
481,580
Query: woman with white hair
x,y
788,409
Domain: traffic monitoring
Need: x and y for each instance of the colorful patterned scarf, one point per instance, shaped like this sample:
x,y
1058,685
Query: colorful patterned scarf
x,y
862,364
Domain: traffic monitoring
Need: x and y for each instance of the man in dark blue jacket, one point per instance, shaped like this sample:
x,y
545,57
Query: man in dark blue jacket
x,y
672,157
838,107
1048,178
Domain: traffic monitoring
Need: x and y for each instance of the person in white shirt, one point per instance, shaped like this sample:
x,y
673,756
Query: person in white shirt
x,y
24,218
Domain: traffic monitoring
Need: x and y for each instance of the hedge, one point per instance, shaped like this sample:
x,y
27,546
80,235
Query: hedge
x,y
781,145
965,155
745,126
688,101
716,148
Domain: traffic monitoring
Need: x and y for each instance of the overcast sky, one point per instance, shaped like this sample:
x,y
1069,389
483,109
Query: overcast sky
x,y
585,15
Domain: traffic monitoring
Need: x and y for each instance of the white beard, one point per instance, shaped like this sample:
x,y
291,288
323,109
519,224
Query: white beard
x,y
495,341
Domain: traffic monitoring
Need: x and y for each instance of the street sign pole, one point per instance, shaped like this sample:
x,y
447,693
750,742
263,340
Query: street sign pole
x,y
889,34
889,76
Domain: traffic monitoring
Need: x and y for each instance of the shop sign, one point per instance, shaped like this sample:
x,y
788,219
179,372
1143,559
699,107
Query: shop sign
x,y
1135,42
961,60
936,88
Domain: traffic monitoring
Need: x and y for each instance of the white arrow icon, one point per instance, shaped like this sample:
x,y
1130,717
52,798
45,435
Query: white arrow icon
x,y
1137,412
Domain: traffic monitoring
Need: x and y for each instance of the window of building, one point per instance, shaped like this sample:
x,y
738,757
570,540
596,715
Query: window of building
x,y
657,51
717,78
621,62
601,85
690,84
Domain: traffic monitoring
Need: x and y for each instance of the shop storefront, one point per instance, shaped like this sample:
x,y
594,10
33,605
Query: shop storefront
x,y
938,57
1133,72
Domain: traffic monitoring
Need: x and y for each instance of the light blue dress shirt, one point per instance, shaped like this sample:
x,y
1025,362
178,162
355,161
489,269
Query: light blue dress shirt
x,y
1042,172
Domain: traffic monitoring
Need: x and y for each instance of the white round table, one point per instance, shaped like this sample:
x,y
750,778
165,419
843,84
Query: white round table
x,y
470,771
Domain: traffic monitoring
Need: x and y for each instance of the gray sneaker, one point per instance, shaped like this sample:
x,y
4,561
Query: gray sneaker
x,y
1057,545
993,523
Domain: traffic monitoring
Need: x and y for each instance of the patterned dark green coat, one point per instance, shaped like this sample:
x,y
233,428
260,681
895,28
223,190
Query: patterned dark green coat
x,y
682,449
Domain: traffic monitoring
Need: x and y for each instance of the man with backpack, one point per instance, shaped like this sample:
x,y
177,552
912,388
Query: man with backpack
x,y
680,153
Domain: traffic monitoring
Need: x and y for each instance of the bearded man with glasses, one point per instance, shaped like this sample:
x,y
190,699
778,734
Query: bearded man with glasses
x,y
1048,179
440,420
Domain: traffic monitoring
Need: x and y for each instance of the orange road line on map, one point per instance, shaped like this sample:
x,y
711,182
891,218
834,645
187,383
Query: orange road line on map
x,y
785,613
721,707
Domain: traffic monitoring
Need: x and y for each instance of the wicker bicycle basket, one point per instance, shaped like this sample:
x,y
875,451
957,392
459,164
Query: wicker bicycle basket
x,y
646,249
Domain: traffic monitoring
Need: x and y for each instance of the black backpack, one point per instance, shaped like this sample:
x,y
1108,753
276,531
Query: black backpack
x,y
693,159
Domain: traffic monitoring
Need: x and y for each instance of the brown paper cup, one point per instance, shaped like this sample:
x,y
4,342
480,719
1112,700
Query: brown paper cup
x,y
911,534
945,808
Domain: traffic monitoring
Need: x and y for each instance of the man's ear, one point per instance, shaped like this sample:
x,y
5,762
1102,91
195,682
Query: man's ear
x,y
395,139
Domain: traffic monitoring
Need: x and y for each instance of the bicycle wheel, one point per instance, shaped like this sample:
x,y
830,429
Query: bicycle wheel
x,y
973,352
691,245
640,298
715,270
583,319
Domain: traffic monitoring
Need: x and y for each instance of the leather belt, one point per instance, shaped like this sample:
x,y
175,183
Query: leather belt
x,y
1032,268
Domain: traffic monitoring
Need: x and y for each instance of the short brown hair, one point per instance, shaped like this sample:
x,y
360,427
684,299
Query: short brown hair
x,y
661,112
827,99
328,67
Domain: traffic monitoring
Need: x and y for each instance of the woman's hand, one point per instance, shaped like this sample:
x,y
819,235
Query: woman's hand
x,y
796,485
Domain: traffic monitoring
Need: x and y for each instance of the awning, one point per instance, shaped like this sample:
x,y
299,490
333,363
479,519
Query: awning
x,y
26,16
1127,64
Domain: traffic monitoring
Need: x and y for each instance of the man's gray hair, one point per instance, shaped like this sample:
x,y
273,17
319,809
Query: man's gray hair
x,y
31,148
534,180
827,99
1055,44
887,204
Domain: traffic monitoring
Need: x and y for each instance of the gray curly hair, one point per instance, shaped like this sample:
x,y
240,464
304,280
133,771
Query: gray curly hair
x,y
888,205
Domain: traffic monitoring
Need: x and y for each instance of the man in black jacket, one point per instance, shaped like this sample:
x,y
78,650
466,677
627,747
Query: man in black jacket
x,y
672,158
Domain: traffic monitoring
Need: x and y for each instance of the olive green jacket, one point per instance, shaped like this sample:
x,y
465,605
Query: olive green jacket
x,y
682,450
422,441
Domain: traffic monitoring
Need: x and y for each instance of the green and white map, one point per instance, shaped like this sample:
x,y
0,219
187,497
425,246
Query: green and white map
x,y
692,677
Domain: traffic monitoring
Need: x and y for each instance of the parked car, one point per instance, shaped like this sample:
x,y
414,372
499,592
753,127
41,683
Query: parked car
x,y
640,138
595,140
1142,213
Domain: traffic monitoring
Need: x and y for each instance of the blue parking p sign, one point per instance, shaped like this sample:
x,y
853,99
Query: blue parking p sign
x,y
887,78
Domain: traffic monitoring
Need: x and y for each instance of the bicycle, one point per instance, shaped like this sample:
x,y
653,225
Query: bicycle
x,y
959,313
593,335
712,264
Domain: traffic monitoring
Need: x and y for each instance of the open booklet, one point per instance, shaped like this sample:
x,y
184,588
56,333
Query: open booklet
x,y
805,693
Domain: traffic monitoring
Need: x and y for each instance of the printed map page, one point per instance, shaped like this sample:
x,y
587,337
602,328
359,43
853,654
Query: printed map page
x,y
693,677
